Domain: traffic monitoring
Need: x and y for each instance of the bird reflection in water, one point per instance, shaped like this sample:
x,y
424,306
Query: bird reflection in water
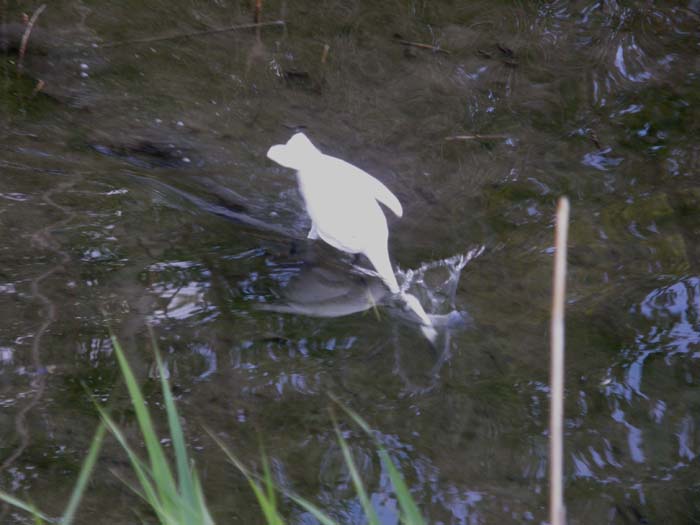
x,y
326,289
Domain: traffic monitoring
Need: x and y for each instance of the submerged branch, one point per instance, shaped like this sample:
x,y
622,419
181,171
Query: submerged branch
x,y
435,49
207,32
475,137
27,33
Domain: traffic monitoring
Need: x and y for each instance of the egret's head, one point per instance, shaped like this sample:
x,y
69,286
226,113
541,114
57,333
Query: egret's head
x,y
412,306
295,154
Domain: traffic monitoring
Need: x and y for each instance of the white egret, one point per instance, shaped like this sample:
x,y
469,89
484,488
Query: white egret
x,y
343,203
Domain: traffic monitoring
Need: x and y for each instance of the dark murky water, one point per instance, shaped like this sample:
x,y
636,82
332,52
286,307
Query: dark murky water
x,y
135,191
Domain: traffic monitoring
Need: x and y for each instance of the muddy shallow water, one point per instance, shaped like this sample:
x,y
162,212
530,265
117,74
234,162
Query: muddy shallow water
x,y
135,191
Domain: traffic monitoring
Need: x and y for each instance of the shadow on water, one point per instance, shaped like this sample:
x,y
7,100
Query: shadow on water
x,y
135,190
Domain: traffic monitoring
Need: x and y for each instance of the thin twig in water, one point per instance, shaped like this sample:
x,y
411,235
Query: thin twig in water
x,y
324,54
25,36
475,137
435,49
557,511
258,11
208,32
39,86
256,18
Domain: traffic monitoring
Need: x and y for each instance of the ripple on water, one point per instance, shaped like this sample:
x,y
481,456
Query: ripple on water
x,y
596,99
667,350
183,288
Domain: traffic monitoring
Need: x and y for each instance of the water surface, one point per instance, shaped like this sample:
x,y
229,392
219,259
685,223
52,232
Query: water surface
x,y
135,191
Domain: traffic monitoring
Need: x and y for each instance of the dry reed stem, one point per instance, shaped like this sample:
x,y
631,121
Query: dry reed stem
x,y
324,54
557,511
25,36
193,34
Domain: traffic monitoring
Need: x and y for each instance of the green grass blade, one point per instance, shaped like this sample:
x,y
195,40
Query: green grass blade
x,y
163,499
164,515
160,468
407,505
205,517
84,476
355,417
269,483
143,474
409,510
267,505
317,513
31,509
182,461
78,490
230,455
356,480
323,518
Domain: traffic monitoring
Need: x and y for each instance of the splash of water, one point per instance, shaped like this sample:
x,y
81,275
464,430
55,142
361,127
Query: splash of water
x,y
436,283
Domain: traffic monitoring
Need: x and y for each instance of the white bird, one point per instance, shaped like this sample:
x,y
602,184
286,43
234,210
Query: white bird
x,y
343,203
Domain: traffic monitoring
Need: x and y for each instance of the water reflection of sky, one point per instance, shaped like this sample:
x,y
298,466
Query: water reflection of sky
x,y
679,305
593,98
183,290
458,505
672,334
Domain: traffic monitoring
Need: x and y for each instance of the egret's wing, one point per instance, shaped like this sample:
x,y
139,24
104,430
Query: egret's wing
x,y
384,195
374,187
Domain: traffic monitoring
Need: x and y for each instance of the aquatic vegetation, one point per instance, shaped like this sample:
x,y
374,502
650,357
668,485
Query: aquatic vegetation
x,y
598,100
175,495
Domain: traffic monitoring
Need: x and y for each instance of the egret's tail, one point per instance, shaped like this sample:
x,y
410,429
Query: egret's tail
x,y
295,154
